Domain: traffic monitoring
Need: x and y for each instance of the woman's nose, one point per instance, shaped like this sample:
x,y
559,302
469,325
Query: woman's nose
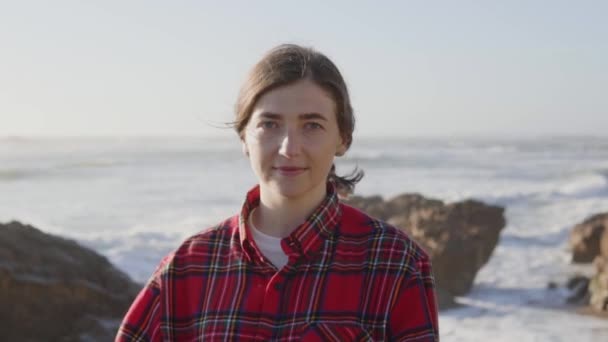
x,y
290,144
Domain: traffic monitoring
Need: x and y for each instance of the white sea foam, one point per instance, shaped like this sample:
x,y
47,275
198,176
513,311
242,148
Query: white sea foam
x,y
586,184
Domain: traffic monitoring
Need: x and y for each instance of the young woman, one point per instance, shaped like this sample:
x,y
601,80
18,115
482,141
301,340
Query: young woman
x,y
295,264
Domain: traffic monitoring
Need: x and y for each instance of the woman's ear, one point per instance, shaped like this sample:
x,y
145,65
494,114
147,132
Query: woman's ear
x,y
341,148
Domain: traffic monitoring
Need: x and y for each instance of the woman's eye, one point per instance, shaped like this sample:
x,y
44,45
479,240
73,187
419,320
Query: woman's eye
x,y
313,125
268,124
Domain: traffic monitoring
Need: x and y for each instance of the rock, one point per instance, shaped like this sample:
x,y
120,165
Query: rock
x,y
598,286
459,237
589,243
590,239
604,242
445,300
578,286
576,281
53,289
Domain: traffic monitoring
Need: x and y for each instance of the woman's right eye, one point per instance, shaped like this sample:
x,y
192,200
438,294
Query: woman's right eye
x,y
268,124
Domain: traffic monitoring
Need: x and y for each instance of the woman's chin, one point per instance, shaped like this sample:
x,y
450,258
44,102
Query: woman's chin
x,y
292,190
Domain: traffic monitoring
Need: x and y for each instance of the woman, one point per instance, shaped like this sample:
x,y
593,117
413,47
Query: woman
x,y
295,264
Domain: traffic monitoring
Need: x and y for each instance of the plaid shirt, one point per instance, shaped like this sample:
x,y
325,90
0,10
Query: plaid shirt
x,y
349,277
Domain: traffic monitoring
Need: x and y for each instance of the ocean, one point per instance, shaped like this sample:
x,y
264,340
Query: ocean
x,y
135,199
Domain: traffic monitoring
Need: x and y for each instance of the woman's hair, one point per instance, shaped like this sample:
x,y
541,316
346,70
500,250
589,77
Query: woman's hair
x,y
289,63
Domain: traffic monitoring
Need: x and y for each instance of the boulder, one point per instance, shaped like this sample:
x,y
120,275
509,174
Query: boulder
x,y
590,239
578,286
459,237
598,286
53,289
604,241
589,243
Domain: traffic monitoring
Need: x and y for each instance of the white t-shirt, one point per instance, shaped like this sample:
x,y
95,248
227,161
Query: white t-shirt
x,y
269,245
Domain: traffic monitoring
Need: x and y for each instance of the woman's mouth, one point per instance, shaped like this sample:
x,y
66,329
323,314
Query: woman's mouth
x,y
289,170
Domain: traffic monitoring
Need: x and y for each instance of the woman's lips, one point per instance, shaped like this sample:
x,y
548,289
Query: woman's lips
x,y
290,171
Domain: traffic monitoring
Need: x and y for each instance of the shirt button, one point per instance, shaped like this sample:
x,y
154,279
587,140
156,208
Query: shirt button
x,y
278,286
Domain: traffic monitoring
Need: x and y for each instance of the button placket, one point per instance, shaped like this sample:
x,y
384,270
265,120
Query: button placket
x,y
272,293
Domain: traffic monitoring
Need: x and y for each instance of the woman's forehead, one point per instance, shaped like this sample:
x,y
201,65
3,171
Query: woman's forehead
x,y
302,97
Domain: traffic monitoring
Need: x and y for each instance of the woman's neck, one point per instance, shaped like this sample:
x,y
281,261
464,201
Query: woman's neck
x,y
280,216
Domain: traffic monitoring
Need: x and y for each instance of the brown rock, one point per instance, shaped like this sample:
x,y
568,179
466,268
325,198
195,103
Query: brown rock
x,y
459,237
604,242
53,289
373,205
585,238
598,286
445,300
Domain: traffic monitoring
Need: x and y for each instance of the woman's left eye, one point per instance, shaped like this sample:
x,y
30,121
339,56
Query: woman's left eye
x,y
313,125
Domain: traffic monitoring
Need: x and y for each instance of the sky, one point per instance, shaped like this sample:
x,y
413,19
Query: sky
x,y
442,68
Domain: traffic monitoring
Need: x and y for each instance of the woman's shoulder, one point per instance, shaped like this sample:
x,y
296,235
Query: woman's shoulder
x,y
210,239
385,237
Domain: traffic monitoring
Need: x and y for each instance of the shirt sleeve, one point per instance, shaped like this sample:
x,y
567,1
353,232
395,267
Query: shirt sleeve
x,y
414,315
142,321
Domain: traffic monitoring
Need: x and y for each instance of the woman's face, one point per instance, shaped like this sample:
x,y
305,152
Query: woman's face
x,y
291,140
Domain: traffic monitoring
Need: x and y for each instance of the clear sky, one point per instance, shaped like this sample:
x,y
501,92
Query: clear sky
x,y
89,68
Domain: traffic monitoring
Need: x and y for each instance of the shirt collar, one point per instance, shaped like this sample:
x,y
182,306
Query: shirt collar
x,y
307,238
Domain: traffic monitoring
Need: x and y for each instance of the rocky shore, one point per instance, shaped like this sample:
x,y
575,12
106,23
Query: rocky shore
x,y
589,244
459,237
52,288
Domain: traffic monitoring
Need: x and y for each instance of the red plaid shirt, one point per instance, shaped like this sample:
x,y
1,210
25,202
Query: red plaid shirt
x,y
349,277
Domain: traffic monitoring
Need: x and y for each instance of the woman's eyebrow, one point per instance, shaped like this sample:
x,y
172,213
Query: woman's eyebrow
x,y
312,116
305,116
269,115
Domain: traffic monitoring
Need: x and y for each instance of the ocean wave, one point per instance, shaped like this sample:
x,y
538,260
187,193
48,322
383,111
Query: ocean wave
x,y
15,174
588,184
87,164
8,175
580,186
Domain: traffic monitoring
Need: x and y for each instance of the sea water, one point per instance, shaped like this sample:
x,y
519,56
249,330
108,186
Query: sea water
x,y
135,199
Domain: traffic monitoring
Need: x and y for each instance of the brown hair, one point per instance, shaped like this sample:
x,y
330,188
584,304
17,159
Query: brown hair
x,y
289,63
